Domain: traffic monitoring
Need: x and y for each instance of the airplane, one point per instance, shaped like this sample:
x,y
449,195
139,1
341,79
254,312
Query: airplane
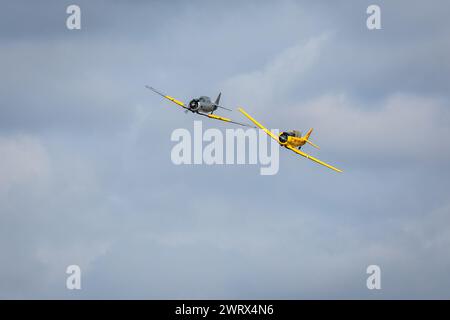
x,y
292,140
202,106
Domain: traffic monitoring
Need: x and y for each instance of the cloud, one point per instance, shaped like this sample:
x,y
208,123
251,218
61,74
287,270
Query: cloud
x,y
403,128
23,161
48,217
86,176
279,75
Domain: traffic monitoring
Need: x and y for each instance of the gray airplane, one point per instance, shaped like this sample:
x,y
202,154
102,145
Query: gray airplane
x,y
202,106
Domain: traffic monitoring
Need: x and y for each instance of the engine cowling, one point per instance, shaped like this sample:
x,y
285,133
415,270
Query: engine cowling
x,y
194,105
283,137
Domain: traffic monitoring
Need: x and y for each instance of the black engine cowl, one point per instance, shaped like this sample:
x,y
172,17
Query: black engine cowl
x,y
283,137
194,105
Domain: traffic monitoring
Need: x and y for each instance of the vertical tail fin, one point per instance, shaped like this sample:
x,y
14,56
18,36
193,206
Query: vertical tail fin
x,y
307,138
216,103
308,134
218,99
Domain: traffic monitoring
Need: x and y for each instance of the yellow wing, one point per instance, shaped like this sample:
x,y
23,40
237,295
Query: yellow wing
x,y
181,104
259,125
307,156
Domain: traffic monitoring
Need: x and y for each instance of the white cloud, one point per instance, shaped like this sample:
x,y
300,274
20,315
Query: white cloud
x,y
279,75
49,215
23,160
403,126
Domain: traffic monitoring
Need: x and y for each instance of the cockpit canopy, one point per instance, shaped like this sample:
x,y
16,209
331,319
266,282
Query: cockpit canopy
x,y
283,138
204,99
294,133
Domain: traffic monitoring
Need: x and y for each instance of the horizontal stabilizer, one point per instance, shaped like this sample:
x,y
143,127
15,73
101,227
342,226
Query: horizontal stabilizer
x,y
314,145
224,108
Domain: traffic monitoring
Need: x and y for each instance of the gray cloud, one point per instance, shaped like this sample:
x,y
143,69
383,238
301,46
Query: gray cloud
x,y
86,176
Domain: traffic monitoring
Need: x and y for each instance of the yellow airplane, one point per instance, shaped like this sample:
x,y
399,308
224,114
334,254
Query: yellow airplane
x,y
292,140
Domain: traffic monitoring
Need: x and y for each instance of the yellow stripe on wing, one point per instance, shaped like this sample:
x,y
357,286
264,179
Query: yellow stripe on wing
x,y
259,125
175,101
307,156
213,116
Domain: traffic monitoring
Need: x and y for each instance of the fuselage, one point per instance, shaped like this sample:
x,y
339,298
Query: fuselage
x,y
291,138
202,104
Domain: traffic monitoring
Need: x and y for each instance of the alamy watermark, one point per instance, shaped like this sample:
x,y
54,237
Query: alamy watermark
x,y
237,146
73,21
373,21
374,279
73,281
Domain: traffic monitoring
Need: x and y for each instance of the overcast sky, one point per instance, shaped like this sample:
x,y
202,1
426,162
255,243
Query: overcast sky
x,y
86,176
